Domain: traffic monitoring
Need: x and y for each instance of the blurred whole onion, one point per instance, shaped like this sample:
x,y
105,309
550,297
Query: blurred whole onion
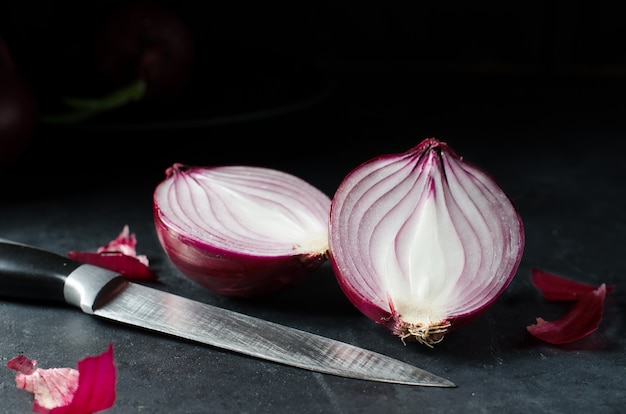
x,y
148,42
18,109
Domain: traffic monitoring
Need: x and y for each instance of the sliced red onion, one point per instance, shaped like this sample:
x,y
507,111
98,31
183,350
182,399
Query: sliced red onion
x,y
241,230
423,242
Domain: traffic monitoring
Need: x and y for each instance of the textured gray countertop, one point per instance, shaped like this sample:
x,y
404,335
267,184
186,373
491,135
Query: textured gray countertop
x,y
566,175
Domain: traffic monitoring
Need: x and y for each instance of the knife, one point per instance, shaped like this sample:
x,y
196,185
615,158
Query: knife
x,y
28,272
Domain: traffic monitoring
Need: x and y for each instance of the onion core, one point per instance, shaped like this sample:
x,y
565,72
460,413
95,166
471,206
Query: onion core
x,y
241,230
422,242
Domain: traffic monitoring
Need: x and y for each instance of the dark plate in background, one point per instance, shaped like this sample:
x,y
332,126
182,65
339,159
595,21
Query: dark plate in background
x,y
228,113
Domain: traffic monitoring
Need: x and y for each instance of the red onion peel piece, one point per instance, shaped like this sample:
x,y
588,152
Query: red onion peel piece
x,y
241,231
88,389
582,320
423,242
129,267
119,255
554,287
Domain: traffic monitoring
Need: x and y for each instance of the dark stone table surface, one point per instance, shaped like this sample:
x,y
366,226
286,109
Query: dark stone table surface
x,y
557,150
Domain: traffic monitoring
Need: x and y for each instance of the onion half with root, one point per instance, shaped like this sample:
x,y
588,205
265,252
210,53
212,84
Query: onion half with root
x,y
241,231
423,242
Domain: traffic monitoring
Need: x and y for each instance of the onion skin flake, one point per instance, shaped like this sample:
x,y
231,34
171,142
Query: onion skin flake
x,y
128,266
555,287
119,255
88,389
423,242
582,319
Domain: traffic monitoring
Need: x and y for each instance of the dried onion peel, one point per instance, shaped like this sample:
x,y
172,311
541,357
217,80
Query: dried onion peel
x,y
241,231
423,242
88,389
582,319
119,255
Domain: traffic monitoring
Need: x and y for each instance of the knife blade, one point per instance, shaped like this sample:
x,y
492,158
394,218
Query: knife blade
x,y
29,272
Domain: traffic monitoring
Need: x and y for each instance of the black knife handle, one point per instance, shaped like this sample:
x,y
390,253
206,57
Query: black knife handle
x,y
30,273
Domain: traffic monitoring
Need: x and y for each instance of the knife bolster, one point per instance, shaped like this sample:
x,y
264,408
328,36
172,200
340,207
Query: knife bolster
x,y
89,287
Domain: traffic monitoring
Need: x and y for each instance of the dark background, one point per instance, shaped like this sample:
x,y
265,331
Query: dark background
x,y
285,83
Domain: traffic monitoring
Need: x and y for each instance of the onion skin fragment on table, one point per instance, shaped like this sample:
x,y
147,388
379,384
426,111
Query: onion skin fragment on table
x,y
581,320
423,242
88,389
119,255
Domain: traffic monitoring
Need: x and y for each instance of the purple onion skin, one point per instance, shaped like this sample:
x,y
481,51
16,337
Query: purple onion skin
x,y
429,149
235,274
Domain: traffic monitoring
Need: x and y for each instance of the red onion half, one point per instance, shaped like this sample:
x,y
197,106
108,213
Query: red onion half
x,y
241,230
422,242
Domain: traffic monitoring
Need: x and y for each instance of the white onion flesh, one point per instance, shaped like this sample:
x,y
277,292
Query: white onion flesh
x,y
422,242
241,230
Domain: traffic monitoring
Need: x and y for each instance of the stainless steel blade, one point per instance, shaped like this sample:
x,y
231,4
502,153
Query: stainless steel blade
x,y
96,291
